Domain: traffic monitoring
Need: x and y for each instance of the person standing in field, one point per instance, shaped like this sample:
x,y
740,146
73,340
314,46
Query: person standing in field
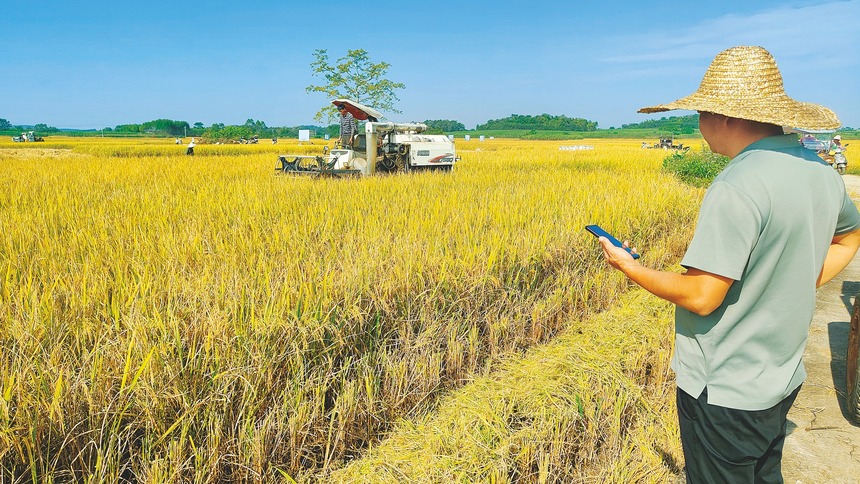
x,y
190,150
773,226
347,126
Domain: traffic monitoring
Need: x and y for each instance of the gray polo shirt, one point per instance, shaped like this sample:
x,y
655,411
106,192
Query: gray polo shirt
x,y
766,222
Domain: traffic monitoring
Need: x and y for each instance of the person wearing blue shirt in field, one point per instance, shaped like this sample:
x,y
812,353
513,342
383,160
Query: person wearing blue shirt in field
x,y
773,226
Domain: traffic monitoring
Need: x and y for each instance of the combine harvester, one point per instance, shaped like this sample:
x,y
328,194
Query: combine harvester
x,y
28,136
400,147
666,143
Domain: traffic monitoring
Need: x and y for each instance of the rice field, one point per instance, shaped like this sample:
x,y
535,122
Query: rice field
x,y
166,318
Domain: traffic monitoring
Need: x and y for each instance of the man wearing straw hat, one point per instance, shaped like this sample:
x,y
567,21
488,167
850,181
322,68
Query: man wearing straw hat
x,y
773,226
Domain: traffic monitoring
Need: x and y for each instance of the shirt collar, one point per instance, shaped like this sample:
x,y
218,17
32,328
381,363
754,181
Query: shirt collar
x,y
774,143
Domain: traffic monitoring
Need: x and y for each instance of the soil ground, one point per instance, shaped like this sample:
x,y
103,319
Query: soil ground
x,y
823,446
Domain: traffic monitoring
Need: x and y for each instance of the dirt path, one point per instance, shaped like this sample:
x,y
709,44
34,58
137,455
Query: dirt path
x,y
822,445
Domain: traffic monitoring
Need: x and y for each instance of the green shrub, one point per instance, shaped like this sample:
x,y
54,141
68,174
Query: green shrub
x,y
697,168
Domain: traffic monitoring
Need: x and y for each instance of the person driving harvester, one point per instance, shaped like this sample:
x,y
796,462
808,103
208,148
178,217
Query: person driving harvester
x,y
347,127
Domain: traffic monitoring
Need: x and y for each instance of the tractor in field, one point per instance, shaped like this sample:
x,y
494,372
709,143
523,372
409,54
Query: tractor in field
x,y
383,147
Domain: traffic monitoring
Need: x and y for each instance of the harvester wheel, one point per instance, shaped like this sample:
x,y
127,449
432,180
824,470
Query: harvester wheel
x,y
852,364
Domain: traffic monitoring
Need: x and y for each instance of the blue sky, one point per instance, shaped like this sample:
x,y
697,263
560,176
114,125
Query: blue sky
x,y
100,64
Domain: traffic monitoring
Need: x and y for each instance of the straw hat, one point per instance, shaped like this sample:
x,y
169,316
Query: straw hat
x,y
744,82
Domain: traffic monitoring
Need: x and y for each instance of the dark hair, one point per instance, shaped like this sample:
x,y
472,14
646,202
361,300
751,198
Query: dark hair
x,y
340,106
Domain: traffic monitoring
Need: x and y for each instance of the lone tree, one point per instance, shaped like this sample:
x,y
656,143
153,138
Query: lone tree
x,y
354,77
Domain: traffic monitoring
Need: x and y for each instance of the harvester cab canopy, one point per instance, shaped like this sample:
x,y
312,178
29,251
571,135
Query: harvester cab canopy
x,y
358,111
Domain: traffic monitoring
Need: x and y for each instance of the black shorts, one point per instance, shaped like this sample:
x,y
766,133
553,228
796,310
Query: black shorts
x,y
729,445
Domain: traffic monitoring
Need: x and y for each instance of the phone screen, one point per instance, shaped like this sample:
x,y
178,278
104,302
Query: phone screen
x,y
599,232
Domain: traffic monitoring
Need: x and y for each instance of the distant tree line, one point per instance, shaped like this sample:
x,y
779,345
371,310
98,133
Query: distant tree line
x,y
673,124
156,127
5,125
219,131
543,122
444,125
251,128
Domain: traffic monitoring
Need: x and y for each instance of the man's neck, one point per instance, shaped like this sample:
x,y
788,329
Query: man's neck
x,y
745,133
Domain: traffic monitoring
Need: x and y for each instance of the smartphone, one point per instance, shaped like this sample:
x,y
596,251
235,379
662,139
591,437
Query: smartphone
x,y
599,232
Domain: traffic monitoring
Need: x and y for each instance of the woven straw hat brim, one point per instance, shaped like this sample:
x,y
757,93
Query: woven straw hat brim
x,y
781,112
745,83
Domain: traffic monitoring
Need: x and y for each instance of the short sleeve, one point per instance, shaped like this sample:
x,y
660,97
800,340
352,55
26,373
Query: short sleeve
x,y
727,230
849,218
